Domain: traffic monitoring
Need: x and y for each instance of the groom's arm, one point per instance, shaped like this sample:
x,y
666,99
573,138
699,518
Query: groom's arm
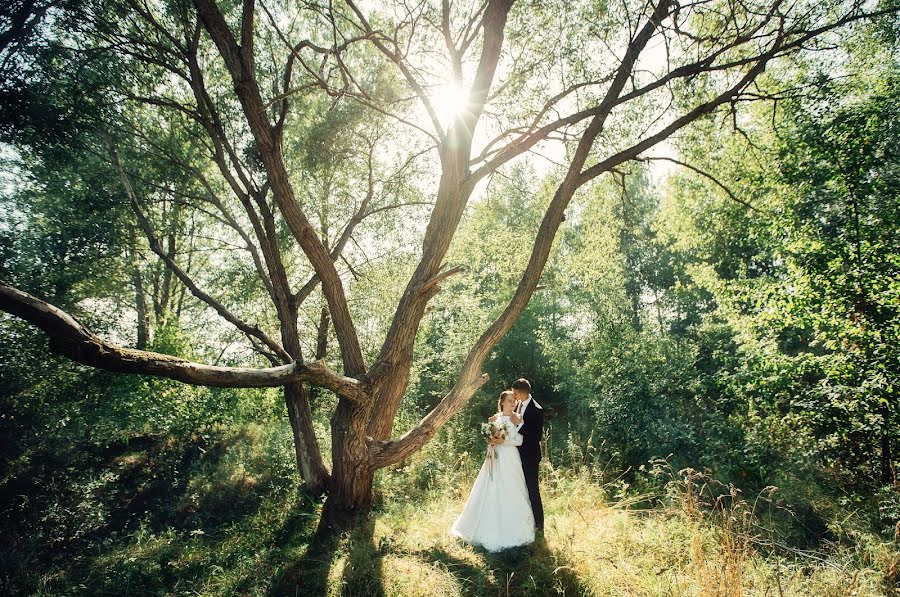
x,y
534,422
513,439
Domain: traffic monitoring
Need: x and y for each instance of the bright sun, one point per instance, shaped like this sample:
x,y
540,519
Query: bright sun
x,y
449,100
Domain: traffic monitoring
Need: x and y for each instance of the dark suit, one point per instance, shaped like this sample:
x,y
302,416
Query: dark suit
x,y
530,454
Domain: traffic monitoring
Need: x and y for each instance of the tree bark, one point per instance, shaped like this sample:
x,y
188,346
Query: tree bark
x,y
306,446
390,373
352,469
140,299
321,347
887,457
70,339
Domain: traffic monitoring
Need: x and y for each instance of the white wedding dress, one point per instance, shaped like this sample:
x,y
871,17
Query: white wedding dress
x,y
498,514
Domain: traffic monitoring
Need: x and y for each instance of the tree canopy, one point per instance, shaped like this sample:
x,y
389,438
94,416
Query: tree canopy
x,y
292,185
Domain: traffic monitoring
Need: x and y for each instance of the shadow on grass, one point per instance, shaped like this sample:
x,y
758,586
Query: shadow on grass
x,y
534,569
350,563
337,563
74,511
179,516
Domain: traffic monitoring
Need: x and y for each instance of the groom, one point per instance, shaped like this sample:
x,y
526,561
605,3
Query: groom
x,y
531,428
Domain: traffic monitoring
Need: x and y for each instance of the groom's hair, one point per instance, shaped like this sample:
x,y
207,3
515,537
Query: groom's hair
x,y
522,384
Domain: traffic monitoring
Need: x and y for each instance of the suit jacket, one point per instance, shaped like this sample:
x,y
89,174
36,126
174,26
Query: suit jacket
x,y
531,430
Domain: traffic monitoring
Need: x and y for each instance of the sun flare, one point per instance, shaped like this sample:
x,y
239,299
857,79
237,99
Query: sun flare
x,y
449,101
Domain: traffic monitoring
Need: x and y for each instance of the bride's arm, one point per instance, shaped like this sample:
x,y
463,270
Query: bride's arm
x,y
513,437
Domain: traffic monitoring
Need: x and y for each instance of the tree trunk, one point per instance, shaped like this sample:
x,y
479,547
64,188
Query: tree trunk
x,y
321,348
140,300
306,447
352,475
887,458
166,291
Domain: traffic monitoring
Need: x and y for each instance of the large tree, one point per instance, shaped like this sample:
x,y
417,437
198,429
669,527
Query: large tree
x,y
604,81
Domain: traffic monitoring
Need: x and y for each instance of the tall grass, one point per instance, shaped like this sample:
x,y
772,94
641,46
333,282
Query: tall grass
x,y
223,515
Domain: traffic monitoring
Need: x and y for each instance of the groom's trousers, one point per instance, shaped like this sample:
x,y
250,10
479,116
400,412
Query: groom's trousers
x,y
530,468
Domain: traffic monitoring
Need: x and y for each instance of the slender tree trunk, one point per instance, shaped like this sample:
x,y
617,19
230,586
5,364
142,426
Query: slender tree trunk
x,y
140,300
887,457
659,316
321,347
306,446
182,289
157,304
322,334
166,298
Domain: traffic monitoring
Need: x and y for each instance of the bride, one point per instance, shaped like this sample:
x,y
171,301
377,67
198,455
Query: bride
x,y
497,514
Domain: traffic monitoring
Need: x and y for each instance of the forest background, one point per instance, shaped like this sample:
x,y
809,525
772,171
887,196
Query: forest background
x,y
714,337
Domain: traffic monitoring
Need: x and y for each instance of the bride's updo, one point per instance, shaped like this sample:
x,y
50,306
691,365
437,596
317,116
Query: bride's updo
x,y
503,395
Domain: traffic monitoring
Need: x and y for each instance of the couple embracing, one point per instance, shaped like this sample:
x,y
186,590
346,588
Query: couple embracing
x,y
504,507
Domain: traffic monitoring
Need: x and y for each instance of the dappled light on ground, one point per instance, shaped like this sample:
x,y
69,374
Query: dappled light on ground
x,y
207,516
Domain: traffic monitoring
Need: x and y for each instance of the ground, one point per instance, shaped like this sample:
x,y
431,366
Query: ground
x,y
221,514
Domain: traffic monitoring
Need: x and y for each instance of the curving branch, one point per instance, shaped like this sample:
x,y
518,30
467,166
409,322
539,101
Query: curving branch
x,y
167,258
70,339
703,173
238,61
788,40
635,150
397,58
388,452
224,216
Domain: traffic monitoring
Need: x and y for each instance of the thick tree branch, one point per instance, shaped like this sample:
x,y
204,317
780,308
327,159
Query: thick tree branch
x,y
70,339
494,24
385,453
452,50
390,373
247,89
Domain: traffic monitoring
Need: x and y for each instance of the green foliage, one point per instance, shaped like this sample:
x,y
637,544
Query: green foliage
x,y
62,228
797,346
843,253
751,348
220,513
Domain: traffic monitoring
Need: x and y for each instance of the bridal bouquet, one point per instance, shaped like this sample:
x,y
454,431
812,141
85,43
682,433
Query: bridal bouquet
x,y
496,430
493,429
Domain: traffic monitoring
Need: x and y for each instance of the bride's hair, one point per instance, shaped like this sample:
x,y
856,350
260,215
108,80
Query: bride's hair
x,y
503,395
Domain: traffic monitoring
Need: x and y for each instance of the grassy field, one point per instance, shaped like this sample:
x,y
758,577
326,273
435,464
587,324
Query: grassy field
x,y
221,515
